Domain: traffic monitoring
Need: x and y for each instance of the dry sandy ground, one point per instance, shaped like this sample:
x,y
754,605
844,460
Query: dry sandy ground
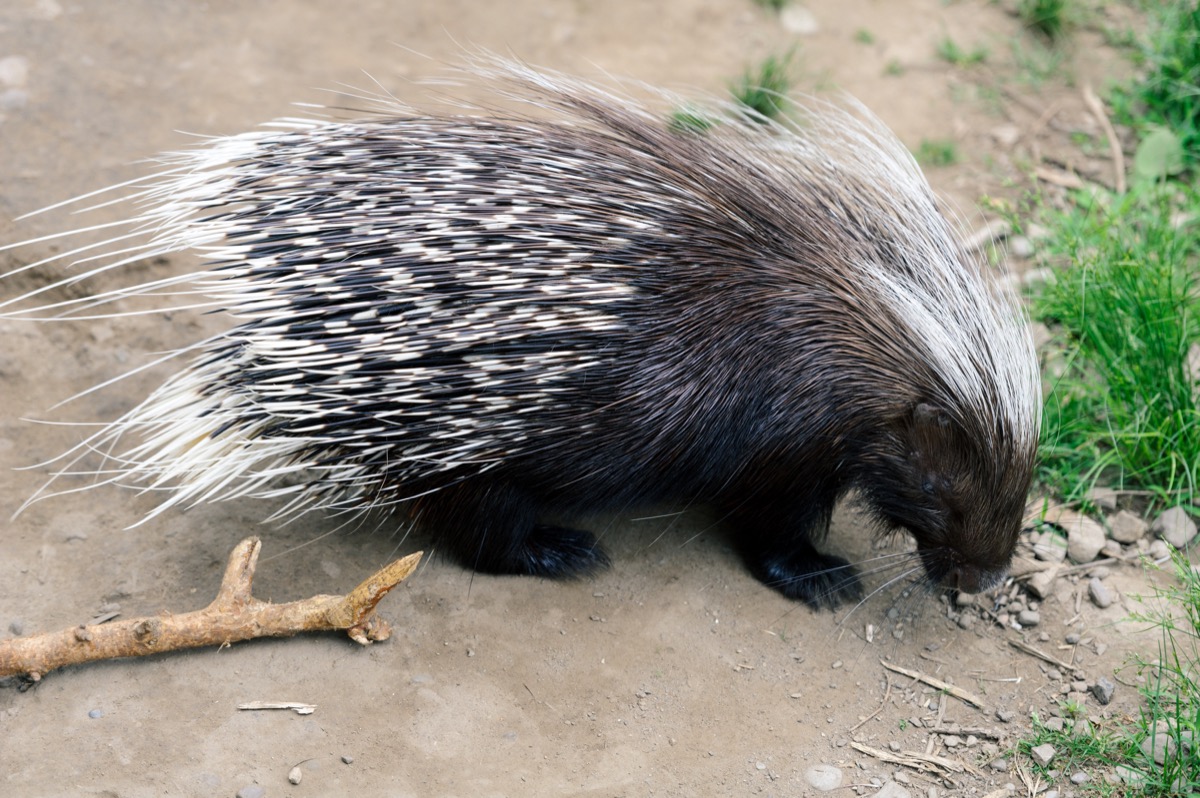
x,y
675,673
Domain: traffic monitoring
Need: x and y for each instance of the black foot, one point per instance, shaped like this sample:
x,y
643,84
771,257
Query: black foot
x,y
560,553
822,581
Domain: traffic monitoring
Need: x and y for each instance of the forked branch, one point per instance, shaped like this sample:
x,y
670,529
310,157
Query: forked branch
x,y
232,616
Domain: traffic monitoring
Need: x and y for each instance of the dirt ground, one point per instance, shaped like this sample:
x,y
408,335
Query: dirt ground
x,y
675,672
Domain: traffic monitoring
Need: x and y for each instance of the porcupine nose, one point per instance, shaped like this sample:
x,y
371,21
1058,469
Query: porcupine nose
x,y
968,578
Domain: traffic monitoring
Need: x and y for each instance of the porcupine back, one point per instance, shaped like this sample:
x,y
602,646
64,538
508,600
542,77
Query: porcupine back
x,y
483,318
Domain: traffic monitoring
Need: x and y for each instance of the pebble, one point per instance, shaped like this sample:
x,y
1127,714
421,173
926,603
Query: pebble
x,y
823,777
1041,583
1129,776
1112,549
251,791
893,790
1020,247
295,775
1042,754
95,713
1159,745
1029,618
1085,538
1000,765
1175,526
1080,778
1006,135
798,19
17,627
1005,715
1104,498
1127,527
1055,724
1100,595
1073,639
347,759
1159,550
1050,547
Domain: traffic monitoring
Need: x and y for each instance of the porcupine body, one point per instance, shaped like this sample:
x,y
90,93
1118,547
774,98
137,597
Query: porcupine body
x,y
485,321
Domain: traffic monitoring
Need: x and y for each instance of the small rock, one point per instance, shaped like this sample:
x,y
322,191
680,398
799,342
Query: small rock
x,y
1041,584
1042,754
1175,526
295,775
1029,618
1000,765
1072,639
1112,549
1159,550
1050,547
1006,135
349,760
893,790
95,713
251,791
1080,778
823,777
1005,715
798,19
1100,595
1055,724
17,627
1085,537
1128,775
1020,247
14,70
1126,527
1105,499
1159,745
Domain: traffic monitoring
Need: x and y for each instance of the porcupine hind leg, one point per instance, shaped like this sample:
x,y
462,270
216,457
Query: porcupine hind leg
x,y
776,542
492,527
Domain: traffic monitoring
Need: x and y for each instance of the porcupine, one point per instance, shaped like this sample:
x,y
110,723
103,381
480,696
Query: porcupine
x,y
484,320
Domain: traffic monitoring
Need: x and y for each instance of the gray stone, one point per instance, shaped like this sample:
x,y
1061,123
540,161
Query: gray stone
x,y
1104,498
1050,547
1041,584
1175,526
823,777
1042,754
1100,595
1085,538
1103,689
893,790
1126,527
798,19
1080,778
1128,775
251,791
1005,715
1028,618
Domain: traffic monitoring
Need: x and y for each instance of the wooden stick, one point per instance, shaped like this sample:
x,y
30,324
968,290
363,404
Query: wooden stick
x,y
232,616
937,684
1114,144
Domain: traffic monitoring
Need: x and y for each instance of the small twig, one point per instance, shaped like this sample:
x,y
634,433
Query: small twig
x,y
295,706
1114,145
886,695
1028,649
937,684
916,760
232,616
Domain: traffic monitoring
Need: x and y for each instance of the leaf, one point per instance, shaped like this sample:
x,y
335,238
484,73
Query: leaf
x,y
1160,154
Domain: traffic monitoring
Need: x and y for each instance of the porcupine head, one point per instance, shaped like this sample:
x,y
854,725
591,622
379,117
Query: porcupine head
x,y
482,320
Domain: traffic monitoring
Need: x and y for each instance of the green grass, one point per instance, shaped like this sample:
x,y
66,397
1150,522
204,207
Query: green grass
x,y
1125,310
772,5
937,152
764,89
1167,96
1170,713
949,51
1047,17
690,119
864,36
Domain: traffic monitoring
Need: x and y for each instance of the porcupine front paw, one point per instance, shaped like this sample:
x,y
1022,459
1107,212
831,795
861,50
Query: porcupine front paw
x,y
822,581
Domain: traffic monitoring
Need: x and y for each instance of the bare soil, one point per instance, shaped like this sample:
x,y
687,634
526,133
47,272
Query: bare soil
x,y
673,673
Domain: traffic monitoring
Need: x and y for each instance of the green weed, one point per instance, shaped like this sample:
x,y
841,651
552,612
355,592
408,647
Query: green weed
x,y
764,90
